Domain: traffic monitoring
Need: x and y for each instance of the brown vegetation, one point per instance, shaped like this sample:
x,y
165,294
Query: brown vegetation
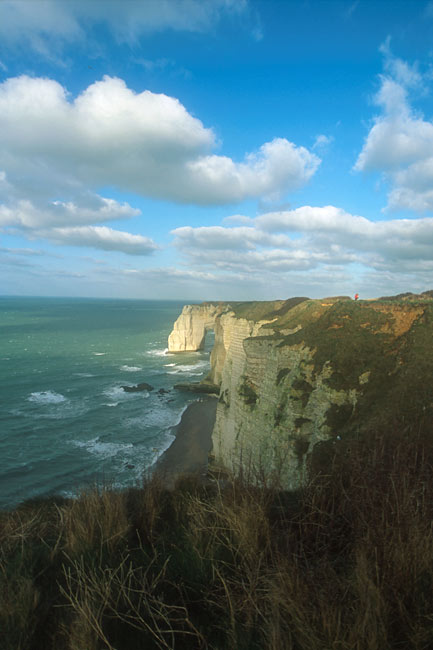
x,y
346,563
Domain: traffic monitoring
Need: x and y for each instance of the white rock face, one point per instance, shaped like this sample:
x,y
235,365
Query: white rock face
x,y
189,330
272,408
315,369
272,411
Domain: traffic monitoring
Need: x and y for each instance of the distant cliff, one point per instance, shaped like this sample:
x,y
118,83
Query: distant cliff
x,y
297,376
189,330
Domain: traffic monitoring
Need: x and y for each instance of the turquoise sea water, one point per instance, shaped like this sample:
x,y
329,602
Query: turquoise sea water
x,y
65,421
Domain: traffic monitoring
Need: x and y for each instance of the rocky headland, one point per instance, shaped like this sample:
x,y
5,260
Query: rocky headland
x,y
296,377
343,561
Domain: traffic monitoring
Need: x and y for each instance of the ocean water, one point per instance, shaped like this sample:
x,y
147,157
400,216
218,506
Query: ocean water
x,y
65,422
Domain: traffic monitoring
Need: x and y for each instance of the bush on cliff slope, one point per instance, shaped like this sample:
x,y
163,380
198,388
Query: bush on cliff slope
x,y
345,563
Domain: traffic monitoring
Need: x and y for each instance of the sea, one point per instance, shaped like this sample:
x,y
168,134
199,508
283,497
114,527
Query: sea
x,y
66,423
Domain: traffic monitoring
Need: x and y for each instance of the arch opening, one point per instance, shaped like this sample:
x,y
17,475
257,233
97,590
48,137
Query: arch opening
x,y
209,340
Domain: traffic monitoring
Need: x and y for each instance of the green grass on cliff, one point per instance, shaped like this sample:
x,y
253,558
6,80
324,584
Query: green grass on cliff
x,y
388,342
264,310
346,563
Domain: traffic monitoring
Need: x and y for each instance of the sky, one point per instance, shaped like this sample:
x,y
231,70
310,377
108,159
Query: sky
x,y
216,149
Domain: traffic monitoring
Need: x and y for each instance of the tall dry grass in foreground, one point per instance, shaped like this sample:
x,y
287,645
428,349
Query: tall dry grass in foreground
x,y
346,563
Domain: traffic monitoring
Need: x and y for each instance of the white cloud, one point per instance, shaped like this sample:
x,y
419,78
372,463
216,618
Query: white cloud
x,y
308,218
26,252
310,238
169,273
38,24
214,237
45,25
55,154
100,237
400,143
238,219
142,142
27,215
219,238
402,72
69,223
279,166
322,142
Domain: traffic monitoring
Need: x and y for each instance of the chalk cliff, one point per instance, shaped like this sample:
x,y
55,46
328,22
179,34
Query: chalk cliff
x,y
297,376
189,330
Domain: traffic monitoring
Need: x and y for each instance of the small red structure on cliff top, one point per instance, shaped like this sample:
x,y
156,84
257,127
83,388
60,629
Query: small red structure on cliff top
x,y
356,296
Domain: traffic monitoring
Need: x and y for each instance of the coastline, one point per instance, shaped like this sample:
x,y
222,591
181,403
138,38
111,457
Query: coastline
x,y
189,451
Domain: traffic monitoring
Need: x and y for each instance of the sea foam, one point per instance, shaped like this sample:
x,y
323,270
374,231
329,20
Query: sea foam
x,y
193,369
103,449
46,397
158,353
116,393
161,418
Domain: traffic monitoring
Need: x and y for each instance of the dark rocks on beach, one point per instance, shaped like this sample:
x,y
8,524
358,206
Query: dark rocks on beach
x,y
137,388
162,391
199,387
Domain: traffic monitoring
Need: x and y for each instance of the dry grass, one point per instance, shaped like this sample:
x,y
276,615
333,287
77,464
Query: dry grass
x,y
344,564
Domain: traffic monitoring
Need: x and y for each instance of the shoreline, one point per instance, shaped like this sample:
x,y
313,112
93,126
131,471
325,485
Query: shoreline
x,y
189,451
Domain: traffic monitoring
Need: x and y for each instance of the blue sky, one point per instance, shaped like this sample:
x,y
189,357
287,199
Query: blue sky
x,y
216,149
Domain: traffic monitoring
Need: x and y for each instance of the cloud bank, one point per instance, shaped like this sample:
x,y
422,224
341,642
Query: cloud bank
x,y
311,238
56,152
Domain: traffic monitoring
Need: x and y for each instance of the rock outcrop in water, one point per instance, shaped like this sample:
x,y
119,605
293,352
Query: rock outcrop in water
x,y
297,376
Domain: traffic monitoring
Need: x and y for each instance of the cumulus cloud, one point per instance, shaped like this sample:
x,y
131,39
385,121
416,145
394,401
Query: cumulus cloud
x,y
144,142
311,238
25,214
400,142
70,223
45,25
219,238
277,167
56,152
100,237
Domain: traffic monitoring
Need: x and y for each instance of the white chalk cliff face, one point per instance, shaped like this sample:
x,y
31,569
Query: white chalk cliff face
x,y
295,374
263,422
189,330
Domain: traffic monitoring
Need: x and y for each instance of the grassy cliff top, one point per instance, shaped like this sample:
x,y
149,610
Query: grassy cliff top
x,y
300,310
381,349
283,312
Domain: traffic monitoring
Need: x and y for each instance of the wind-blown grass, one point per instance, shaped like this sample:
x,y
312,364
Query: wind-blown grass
x,y
345,563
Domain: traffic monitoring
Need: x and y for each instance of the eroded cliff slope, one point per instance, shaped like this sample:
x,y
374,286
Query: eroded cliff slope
x,y
300,375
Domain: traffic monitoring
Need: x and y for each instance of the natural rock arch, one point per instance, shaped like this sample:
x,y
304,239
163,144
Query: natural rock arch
x,y
190,329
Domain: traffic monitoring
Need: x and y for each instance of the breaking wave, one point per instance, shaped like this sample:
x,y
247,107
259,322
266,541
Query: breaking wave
x,y
46,397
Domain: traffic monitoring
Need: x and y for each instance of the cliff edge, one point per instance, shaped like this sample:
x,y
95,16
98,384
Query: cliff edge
x,y
296,377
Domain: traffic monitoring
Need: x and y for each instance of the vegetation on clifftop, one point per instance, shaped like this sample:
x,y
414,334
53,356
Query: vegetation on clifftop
x,y
344,563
